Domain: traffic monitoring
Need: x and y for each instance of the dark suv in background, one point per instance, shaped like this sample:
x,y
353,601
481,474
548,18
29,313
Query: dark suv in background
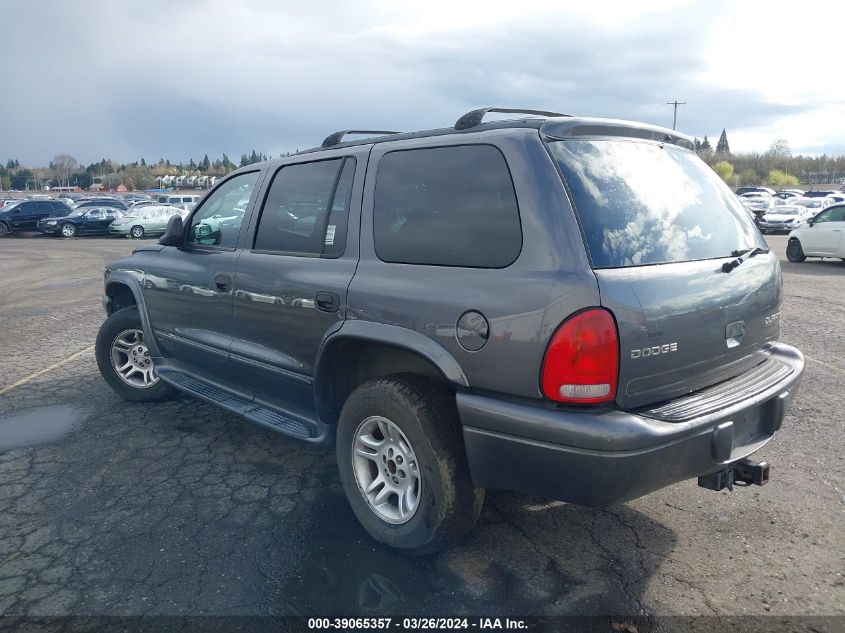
x,y
24,216
571,307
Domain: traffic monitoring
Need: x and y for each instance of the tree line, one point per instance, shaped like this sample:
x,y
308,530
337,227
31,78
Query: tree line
x,y
66,171
775,167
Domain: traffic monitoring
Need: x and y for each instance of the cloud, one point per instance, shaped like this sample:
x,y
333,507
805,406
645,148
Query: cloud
x,y
125,80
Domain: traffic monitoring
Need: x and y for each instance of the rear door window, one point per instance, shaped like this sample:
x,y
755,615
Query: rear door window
x,y
446,206
641,203
306,209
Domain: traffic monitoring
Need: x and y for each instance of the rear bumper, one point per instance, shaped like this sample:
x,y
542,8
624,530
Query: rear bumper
x,y
605,457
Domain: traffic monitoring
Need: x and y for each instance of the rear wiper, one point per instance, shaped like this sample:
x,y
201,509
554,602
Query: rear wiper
x,y
741,256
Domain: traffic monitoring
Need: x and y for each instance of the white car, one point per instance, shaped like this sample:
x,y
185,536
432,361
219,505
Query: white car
x,y
145,221
784,218
820,236
813,204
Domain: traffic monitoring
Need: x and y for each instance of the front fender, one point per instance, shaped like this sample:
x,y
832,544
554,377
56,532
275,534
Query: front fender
x,y
134,280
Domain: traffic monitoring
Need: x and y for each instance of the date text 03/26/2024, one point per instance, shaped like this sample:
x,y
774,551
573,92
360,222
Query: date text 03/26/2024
x,y
316,624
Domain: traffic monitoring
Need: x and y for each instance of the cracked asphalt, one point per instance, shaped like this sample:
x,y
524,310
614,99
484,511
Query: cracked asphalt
x,y
114,508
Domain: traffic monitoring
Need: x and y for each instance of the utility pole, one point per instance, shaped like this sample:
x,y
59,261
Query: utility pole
x,y
675,115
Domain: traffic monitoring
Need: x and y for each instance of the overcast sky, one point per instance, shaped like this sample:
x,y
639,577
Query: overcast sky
x,y
177,79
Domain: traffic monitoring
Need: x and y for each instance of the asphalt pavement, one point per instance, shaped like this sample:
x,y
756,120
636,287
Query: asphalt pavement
x,y
178,508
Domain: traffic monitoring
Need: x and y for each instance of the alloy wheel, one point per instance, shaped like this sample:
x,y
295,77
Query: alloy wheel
x,y
131,360
386,470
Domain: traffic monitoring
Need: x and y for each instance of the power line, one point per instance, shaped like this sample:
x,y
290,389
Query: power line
x,y
675,115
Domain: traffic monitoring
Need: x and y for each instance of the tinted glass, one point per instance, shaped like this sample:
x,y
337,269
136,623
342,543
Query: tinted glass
x,y
834,214
645,203
218,221
293,219
446,206
335,239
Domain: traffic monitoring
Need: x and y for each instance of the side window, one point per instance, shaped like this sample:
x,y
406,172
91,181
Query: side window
x,y
836,214
303,199
95,214
334,243
219,220
824,216
446,206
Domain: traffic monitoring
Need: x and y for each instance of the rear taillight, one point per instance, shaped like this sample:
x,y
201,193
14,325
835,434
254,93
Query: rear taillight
x,y
582,360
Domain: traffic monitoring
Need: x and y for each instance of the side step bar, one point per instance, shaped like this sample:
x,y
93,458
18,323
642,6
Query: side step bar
x,y
742,473
288,423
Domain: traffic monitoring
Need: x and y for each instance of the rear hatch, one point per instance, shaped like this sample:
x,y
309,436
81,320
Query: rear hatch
x,y
659,226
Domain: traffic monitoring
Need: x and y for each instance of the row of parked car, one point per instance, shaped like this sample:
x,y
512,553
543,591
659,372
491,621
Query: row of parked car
x,y
814,220
785,210
135,215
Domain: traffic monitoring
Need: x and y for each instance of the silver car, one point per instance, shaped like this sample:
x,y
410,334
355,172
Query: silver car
x,y
145,221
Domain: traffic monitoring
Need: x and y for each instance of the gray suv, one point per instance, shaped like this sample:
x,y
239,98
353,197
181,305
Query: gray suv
x,y
570,307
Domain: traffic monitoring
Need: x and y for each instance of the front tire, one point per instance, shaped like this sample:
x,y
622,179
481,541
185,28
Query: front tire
x,y
794,252
136,232
403,465
123,359
68,230
4,230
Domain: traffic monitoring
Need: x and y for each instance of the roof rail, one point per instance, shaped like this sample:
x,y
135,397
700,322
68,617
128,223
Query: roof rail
x,y
474,117
335,139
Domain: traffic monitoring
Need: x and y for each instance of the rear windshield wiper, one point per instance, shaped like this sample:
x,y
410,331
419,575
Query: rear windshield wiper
x,y
741,256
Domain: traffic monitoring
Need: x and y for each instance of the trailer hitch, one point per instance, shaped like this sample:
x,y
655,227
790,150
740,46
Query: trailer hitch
x,y
741,473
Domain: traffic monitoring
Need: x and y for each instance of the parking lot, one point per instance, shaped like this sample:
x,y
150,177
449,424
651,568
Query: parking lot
x,y
114,508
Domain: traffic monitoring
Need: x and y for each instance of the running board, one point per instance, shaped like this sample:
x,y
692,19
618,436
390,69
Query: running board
x,y
285,422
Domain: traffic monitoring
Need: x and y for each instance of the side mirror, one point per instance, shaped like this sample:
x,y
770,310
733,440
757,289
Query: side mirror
x,y
173,233
810,222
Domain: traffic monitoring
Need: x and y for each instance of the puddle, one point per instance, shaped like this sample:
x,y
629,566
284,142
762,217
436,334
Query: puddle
x,y
39,424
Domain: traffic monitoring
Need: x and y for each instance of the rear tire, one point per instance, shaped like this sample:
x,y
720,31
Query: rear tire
x,y
112,353
794,252
425,429
136,232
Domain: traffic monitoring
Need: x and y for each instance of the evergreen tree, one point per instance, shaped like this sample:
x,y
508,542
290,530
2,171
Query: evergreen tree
x,y
253,158
192,165
722,146
705,144
226,161
206,163
244,160
143,162
697,144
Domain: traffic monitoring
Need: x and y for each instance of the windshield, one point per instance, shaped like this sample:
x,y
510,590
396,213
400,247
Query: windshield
x,y
642,203
812,204
77,212
782,211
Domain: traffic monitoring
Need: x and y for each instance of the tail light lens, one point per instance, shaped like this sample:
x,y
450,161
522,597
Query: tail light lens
x,y
582,360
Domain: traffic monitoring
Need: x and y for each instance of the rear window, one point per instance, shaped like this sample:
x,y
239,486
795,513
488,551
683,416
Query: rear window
x,y
642,203
446,206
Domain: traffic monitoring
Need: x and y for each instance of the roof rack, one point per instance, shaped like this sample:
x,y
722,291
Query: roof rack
x,y
474,117
335,139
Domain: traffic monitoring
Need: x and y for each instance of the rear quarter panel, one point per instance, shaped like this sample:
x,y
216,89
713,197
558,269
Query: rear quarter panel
x,y
523,303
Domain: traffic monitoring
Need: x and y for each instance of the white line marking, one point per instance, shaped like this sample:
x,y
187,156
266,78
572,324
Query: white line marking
x,y
808,358
41,372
